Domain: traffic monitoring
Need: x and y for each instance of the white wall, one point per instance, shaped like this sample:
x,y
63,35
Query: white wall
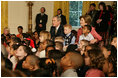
x,y
18,14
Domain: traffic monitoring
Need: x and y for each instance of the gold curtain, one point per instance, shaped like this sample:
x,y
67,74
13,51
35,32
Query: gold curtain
x,y
64,5
4,15
86,5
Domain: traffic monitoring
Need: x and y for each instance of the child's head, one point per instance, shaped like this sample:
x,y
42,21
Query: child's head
x,y
44,35
114,42
48,48
6,31
97,59
31,63
59,38
90,47
67,28
55,54
36,35
86,29
83,43
15,40
71,60
23,51
59,45
106,50
48,64
46,43
20,29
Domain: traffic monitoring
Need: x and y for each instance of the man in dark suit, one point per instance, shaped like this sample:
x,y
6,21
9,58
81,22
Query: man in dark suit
x,y
41,20
92,12
57,29
63,18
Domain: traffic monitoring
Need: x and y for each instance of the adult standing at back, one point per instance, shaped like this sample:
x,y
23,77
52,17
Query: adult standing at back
x,y
92,12
41,20
101,20
63,18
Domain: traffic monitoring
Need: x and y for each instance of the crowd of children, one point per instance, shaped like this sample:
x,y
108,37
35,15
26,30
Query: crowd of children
x,y
82,54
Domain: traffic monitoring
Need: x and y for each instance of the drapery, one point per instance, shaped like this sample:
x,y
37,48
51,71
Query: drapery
x,y
4,15
64,5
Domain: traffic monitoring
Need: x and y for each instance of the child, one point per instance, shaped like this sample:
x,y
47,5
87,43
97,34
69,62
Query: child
x,y
114,42
59,46
42,53
69,38
49,48
97,61
20,30
69,63
86,34
49,65
82,45
44,35
6,31
110,53
22,52
60,39
31,63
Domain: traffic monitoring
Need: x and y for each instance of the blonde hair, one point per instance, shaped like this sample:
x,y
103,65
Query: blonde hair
x,y
59,38
59,45
68,26
45,34
6,28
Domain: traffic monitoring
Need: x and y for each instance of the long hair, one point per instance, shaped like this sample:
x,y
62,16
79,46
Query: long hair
x,y
102,4
97,58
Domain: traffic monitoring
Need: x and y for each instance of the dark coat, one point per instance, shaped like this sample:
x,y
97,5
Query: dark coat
x,y
41,20
60,31
63,19
103,25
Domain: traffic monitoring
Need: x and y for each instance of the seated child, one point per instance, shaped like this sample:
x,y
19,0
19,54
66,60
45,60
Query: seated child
x,y
49,65
70,62
49,48
31,63
82,45
21,53
60,39
69,38
44,35
42,53
86,34
110,53
56,55
59,46
20,30
114,42
96,62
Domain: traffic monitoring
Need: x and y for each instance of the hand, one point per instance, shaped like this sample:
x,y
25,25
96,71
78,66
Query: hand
x,y
40,25
93,41
99,20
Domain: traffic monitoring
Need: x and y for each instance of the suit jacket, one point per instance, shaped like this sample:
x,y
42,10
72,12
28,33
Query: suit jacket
x,y
103,25
60,31
63,19
41,20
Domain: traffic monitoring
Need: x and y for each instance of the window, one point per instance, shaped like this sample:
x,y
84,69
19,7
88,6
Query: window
x,y
75,11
